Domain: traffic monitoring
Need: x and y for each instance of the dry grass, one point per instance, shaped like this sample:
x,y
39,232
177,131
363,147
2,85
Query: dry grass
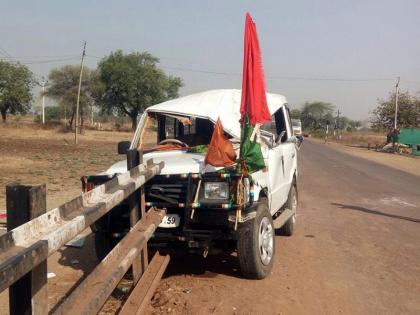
x,y
33,155
113,124
363,139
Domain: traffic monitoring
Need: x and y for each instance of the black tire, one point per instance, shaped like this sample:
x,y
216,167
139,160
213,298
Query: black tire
x,y
289,227
102,244
114,222
252,262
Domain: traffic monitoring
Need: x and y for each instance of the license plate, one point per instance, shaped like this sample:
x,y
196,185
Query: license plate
x,y
170,221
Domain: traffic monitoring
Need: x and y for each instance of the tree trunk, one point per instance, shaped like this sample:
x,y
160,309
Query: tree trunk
x,y
82,121
133,122
71,120
3,115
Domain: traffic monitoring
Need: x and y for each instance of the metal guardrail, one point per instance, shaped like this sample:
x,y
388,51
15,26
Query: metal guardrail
x,y
25,248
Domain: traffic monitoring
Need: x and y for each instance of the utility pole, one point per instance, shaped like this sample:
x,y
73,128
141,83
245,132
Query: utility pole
x,y
396,101
43,100
78,93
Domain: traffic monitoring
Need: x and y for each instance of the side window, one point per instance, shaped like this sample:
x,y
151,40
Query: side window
x,y
270,126
281,126
170,127
190,129
278,126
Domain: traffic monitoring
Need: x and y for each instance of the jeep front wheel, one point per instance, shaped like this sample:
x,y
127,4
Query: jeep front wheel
x,y
256,245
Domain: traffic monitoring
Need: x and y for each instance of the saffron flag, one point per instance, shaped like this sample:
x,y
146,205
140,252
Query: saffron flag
x,y
220,151
254,109
254,99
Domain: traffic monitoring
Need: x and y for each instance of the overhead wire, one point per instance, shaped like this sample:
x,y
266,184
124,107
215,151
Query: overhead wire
x,y
32,62
5,53
279,77
44,56
61,58
269,77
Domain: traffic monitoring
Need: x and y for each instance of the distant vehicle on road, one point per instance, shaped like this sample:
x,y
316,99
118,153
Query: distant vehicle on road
x,y
297,127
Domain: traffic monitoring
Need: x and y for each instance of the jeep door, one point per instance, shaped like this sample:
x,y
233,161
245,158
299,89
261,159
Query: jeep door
x,y
281,160
290,150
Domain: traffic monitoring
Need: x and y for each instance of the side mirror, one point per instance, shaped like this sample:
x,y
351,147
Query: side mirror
x,y
297,140
280,136
123,147
293,139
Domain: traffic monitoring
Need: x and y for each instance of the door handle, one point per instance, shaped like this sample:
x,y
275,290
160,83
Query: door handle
x,y
282,163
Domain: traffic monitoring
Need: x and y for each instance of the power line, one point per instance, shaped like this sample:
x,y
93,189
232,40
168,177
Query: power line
x,y
32,62
277,77
194,70
5,53
42,56
204,71
92,56
201,71
47,61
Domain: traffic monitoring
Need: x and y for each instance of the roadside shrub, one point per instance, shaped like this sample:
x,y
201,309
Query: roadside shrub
x,y
53,113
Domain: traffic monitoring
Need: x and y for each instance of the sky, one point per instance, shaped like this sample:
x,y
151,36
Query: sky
x,y
348,53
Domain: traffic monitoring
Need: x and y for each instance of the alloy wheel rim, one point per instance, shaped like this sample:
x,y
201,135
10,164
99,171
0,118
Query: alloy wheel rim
x,y
266,241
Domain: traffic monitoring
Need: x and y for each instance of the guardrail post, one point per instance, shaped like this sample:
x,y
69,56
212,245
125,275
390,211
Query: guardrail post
x,y
28,295
137,211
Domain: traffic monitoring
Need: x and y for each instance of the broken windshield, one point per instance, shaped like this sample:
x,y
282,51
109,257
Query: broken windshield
x,y
174,132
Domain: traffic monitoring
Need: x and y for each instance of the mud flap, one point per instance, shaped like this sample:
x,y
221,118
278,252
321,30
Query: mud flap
x,y
282,218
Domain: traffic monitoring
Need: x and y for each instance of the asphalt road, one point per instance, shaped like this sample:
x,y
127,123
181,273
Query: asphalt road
x,y
365,219
356,249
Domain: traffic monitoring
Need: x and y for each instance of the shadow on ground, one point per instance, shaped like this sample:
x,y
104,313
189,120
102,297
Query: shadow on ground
x,y
209,267
376,212
85,260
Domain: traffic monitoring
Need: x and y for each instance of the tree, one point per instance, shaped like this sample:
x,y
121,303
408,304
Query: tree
x,y
295,113
53,113
316,115
133,82
347,124
16,82
63,85
408,112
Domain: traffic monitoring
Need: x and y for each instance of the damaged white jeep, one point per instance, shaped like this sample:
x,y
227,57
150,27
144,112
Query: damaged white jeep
x,y
211,209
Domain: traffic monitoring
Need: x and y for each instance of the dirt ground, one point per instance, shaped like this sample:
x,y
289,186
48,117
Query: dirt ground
x,y
31,155
355,249
35,156
362,139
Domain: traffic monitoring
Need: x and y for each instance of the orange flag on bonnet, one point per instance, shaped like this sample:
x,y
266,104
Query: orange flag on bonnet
x,y
220,151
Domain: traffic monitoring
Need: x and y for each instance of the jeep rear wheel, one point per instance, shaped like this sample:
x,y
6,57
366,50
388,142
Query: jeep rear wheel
x,y
256,245
102,244
289,227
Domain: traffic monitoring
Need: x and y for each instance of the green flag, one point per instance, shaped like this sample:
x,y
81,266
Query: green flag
x,y
250,151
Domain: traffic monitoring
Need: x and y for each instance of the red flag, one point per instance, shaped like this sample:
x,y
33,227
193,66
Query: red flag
x,y
220,151
254,100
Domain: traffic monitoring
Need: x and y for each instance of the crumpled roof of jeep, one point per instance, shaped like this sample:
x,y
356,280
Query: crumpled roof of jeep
x,y
213,104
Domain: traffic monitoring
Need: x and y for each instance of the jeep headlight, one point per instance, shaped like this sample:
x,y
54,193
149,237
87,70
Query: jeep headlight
x,y
216,190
